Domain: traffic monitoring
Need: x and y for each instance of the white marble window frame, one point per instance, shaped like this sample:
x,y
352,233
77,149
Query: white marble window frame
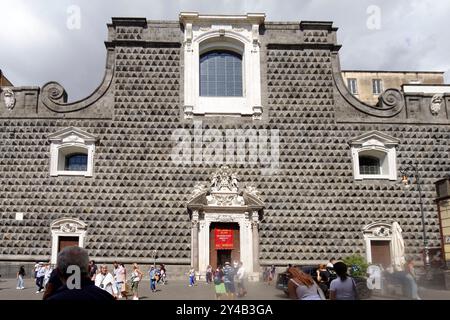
x,y
241,39
390,156
57,150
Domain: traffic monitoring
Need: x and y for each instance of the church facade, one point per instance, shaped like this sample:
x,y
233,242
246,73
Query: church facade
x,y
214,139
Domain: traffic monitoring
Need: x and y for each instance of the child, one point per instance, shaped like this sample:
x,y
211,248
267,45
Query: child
x,y
191,277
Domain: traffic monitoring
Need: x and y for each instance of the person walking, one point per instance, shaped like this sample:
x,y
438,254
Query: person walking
x,y
219,286
209,274
301,286
343,287
191,277
323,277
114,274
411,278
92,270
153,279
121,280
228,280
136,276
20,276
48,271
271,274
36,268
40,274
105,281
162,270
242,291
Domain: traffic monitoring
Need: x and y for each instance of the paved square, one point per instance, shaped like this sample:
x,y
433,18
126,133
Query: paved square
x,y
179,290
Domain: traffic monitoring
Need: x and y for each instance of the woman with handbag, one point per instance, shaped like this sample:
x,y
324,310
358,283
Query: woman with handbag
x,y
301,286
136,277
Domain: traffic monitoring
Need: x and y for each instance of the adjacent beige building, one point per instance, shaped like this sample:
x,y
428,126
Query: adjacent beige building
x,y
368,85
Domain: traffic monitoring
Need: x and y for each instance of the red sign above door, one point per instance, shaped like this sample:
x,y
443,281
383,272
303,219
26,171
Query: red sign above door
x,y
223,239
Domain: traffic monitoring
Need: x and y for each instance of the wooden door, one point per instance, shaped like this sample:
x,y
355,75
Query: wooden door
x,y
381,252
67,242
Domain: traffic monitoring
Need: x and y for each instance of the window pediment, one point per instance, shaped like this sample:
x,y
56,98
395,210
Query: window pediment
x,y
72,134
374,138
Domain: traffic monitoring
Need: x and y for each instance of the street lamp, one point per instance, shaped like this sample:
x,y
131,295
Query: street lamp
x,y
410,176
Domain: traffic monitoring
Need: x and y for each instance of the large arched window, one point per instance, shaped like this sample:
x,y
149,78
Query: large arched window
x,y
221,74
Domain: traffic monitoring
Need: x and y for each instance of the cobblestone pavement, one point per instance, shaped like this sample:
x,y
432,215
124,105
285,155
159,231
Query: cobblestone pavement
x,y
179,290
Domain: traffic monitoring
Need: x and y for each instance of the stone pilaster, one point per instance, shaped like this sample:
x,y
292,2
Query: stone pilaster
x,y
255,233
195,217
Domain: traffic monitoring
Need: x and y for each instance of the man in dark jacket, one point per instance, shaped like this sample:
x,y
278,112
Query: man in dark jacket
x,y
70,261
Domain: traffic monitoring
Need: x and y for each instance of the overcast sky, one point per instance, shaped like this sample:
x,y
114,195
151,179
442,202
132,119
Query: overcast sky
x,y
36,46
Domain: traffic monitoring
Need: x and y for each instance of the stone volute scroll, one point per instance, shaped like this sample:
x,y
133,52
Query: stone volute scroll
x,y
391,101
54,96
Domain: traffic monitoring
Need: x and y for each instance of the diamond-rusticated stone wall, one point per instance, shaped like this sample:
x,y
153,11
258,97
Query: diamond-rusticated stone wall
x,y
136,200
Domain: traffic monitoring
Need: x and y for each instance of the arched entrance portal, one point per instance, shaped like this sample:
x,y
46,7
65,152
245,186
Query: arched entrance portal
x,y
66,232
378,243
225,220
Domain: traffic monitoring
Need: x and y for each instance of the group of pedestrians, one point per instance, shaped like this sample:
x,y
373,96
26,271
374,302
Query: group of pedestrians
x,y
225,278
303,286
42,272
95,280
116,283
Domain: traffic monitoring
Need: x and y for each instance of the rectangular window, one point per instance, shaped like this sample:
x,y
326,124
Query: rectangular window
x,y
376,86
352,86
